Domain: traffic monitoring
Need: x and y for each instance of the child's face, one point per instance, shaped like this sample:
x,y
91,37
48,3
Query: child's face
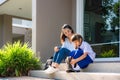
x,y
77,43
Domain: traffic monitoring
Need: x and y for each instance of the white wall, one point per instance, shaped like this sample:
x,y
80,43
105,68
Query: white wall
x,y
48,18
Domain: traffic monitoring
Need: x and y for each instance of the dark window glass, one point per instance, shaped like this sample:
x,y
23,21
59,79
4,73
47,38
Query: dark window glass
x,y
102,26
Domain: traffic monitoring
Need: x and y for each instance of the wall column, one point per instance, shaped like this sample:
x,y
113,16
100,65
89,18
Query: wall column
x,y
1,31
48,16
5,29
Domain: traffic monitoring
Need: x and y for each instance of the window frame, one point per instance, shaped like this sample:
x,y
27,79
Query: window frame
x,y
80,28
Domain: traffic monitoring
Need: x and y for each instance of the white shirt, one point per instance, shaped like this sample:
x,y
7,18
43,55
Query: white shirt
x,y
87,48
67,44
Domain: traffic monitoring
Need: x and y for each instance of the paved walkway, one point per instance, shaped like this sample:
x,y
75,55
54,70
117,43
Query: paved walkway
x,y
23,78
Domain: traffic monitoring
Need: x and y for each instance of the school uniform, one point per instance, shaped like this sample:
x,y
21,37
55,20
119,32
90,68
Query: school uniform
x,y
85,47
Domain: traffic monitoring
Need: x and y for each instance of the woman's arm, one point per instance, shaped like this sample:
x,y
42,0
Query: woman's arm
x,y
56,49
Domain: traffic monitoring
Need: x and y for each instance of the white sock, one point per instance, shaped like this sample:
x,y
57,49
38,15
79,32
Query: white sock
x,y
76,68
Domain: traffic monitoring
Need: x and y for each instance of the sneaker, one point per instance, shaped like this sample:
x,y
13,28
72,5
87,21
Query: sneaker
x,y
51,70
73,69
77,68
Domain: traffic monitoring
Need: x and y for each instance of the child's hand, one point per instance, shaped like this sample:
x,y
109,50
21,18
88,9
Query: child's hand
x,y
73,61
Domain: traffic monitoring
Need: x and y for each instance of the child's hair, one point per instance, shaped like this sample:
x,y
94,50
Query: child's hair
x,y
76,37
62,36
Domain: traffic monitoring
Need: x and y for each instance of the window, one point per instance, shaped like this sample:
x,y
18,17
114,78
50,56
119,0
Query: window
x,y
102,27
22,23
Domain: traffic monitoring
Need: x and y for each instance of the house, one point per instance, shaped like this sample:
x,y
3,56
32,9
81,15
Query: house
x,y
90,18
87,17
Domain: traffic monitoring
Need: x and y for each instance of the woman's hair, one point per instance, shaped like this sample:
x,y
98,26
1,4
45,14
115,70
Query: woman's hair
x,y
62,36
76,37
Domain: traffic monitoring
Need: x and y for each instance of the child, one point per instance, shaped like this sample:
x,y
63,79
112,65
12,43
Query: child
x,y
82,56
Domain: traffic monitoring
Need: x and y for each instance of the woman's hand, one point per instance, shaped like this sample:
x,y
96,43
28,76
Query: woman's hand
x,y
56,49
73,61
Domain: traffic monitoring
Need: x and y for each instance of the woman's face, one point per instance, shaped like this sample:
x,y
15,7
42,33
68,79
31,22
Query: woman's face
x,y
67,32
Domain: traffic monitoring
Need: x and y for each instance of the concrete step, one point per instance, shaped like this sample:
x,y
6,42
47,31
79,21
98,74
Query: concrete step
x,y
111,67
62,75
95,71
22,78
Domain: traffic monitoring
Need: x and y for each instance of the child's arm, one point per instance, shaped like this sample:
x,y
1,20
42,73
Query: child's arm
x,y
73,61
82,57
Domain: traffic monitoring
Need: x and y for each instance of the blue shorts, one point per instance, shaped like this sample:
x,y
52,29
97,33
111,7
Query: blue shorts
x,y
83,63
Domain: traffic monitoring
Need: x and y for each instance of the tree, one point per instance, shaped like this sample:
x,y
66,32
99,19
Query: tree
x,y
111,13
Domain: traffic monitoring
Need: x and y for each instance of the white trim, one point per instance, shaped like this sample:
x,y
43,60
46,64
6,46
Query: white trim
x,y
80,17
107,59
34,15
105,43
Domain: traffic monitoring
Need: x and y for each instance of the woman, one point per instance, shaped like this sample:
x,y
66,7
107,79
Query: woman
x,y
61,53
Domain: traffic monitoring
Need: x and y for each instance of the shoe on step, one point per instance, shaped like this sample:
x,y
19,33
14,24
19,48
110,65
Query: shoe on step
x,y
51,70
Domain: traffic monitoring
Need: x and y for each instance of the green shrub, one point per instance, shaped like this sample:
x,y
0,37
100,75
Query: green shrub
x,y
2,63
108,54
17,59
